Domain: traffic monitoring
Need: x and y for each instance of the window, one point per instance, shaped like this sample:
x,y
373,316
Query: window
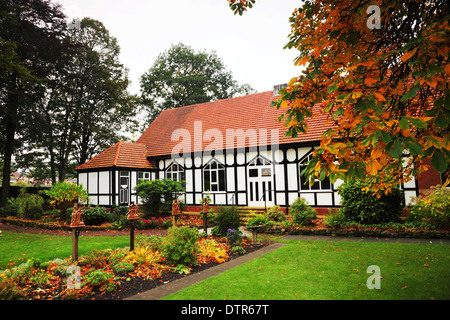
x,y
124,176
317,185
143,176
214,176
175,172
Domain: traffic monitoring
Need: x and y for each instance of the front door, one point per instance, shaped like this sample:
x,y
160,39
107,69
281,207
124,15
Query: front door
x,y
124,190
260,184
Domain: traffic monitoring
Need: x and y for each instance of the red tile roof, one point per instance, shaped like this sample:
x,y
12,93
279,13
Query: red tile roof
x,y
122,154
206,127
249,113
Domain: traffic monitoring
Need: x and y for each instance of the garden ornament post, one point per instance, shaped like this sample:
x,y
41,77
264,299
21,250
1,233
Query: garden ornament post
x,y
205,209
132,216
176,211
76,224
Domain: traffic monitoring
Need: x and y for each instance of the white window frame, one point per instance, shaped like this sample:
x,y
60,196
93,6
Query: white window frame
x,y
143,176
217,171
175,172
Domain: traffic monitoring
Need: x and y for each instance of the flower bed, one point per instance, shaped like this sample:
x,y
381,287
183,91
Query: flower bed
x,y
389,230
111,274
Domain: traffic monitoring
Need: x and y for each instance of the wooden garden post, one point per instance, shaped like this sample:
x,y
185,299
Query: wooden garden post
x,y
175,211
205,210
76,224
132,217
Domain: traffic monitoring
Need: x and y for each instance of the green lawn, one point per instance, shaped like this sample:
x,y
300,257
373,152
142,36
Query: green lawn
x,y
333,270
21,246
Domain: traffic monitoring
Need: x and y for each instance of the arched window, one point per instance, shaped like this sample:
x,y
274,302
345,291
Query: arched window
x,y
175,172
214,176
317,185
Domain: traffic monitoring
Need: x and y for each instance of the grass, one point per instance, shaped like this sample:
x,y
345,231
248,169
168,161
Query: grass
x,y
332,270
18,247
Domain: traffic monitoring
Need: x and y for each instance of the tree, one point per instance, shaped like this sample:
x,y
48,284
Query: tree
x,y
86,104
384,86
31,43
181,77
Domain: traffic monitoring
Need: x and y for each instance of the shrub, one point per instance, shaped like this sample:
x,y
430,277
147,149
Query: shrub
x,y
434,208
363,206
157,196
276,214
257,220
229,217
101,280
97,216
335,218
11,209
34,212
302,213
63,194
23,203
144,256
123,267
234,237
180,246
211,251
9,290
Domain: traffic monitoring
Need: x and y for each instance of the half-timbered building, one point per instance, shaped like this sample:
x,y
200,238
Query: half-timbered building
x,y
232,149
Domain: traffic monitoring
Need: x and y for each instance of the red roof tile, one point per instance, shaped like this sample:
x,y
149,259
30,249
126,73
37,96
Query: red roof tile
x,y
122,154
249,113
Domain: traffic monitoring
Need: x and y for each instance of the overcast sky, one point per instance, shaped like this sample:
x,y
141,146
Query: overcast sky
x,y
251,46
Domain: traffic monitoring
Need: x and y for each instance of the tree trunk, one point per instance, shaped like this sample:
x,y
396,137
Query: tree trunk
x,y
11,127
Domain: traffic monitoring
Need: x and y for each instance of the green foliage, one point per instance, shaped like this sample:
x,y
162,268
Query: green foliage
x,y
181,77
335,218
276,214
434,208
302,213
228,217
257,220
29,205
180,246
234,237
66,192
97,216
123,267
157,196
364,207
34,212
9,290
100,279
93,216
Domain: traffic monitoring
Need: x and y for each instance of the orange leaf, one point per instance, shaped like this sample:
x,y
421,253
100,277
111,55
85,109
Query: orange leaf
x,y
379,97
408,55
370,81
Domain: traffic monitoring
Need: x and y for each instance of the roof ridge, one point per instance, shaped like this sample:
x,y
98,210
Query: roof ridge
x,y
116,157
225,99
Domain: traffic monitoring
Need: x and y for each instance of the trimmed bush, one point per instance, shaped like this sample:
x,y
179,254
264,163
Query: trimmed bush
x,y
276,214
302,213
227,218
368,208
180,246
92,216
157,196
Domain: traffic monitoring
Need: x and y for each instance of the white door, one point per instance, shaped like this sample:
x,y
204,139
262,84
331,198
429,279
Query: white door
x,y
124,190
260,184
